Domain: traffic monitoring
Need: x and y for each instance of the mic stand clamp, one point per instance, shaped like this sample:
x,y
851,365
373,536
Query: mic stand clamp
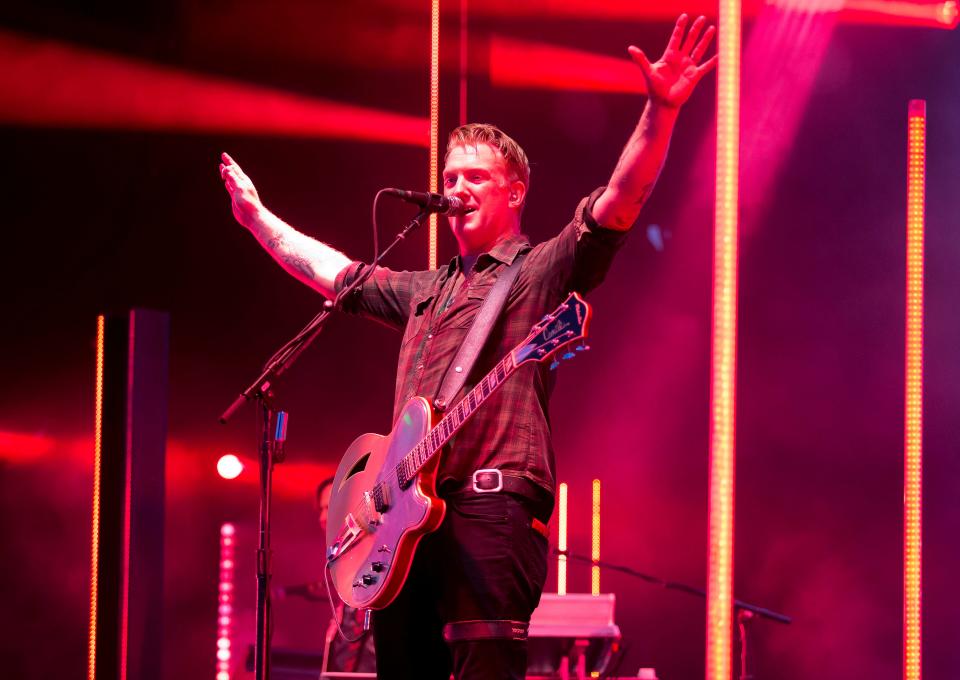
x,y
271,445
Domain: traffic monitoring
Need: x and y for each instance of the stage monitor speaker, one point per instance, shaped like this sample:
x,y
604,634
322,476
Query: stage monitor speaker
x,y
126,598
576,629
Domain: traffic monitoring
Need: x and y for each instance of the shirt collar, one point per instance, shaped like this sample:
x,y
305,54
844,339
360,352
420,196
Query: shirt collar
x,y
505,251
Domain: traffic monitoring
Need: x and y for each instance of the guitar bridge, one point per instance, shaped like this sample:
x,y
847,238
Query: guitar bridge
x,y
348,535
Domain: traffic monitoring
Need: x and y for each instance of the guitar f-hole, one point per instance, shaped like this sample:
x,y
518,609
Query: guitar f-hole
x,y
358,467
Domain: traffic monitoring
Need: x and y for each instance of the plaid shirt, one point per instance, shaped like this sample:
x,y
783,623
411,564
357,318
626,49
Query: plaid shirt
x,y
435,309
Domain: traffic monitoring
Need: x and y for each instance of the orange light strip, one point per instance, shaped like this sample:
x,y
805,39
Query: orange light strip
x,y
913,398
434,121
95,532
562,542
724,344
891,13
595,540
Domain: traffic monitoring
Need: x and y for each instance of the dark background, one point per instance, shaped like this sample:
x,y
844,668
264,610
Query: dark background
x,y
97,219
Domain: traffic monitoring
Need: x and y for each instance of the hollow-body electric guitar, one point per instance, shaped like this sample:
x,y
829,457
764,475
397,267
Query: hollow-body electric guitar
x,y
384,497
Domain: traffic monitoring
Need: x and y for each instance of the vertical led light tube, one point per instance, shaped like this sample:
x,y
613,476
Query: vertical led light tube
x,y
913,397
562,542
463,61
723,344
95,532
434,122
225,601
595,540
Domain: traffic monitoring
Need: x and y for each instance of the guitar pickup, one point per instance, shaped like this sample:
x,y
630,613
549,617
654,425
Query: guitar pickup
x,y
381,498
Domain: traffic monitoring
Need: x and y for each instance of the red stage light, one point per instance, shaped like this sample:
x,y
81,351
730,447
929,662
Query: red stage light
x,y
18,447
520,63
433,170
47,83
562,540
229,467
935,14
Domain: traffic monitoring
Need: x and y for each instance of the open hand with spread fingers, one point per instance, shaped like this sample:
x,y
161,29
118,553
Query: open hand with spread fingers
x,y
671,79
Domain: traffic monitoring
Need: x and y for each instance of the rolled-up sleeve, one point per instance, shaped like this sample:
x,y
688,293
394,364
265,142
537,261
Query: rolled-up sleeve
x,y
385,297
579,257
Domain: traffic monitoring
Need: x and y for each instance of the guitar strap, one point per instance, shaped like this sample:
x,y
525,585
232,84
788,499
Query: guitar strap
x,y
477,336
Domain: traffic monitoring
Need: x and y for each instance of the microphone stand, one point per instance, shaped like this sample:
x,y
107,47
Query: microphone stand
x,y
745,611
271,446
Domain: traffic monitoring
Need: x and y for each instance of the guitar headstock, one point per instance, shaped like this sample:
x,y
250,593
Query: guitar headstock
x,y
564,326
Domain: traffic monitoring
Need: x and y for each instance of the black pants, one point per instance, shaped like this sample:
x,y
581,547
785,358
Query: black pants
x,y
484,563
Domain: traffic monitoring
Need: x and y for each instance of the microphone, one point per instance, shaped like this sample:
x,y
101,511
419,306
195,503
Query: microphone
x,y
432,203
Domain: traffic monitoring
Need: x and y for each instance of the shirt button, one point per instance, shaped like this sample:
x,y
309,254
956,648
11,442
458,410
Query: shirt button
x,y
430,336
419,367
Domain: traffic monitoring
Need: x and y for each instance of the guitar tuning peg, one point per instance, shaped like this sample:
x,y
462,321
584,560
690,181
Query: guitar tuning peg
x,y
568,355
582,348
554,364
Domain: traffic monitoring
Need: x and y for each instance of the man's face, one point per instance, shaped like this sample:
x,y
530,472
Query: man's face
x,y
478,176
323,505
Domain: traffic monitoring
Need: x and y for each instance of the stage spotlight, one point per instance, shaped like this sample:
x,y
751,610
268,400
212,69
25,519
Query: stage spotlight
x,y
229,466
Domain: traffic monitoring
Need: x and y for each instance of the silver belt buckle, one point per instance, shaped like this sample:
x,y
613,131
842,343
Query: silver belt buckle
x,y
489,473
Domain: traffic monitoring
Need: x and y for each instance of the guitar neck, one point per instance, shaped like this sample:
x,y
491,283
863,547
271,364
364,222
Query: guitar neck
x,y
454,419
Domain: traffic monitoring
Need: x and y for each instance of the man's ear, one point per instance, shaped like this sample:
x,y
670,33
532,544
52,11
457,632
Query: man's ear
x,y
518,192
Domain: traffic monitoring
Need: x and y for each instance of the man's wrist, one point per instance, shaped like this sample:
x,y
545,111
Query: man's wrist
x,y
661,113
257,219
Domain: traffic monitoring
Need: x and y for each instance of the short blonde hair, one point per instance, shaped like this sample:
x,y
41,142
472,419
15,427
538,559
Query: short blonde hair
x,y
483,133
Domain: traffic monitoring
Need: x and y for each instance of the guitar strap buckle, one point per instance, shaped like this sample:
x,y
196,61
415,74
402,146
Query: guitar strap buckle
x,y
489,480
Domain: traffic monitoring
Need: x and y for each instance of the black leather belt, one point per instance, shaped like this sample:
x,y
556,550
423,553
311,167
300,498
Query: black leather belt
x,y
492,480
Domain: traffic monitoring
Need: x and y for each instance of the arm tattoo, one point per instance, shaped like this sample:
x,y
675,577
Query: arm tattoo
x,y
275,242
301,264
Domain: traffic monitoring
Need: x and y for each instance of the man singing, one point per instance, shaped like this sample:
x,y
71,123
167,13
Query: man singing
x,y
476,580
